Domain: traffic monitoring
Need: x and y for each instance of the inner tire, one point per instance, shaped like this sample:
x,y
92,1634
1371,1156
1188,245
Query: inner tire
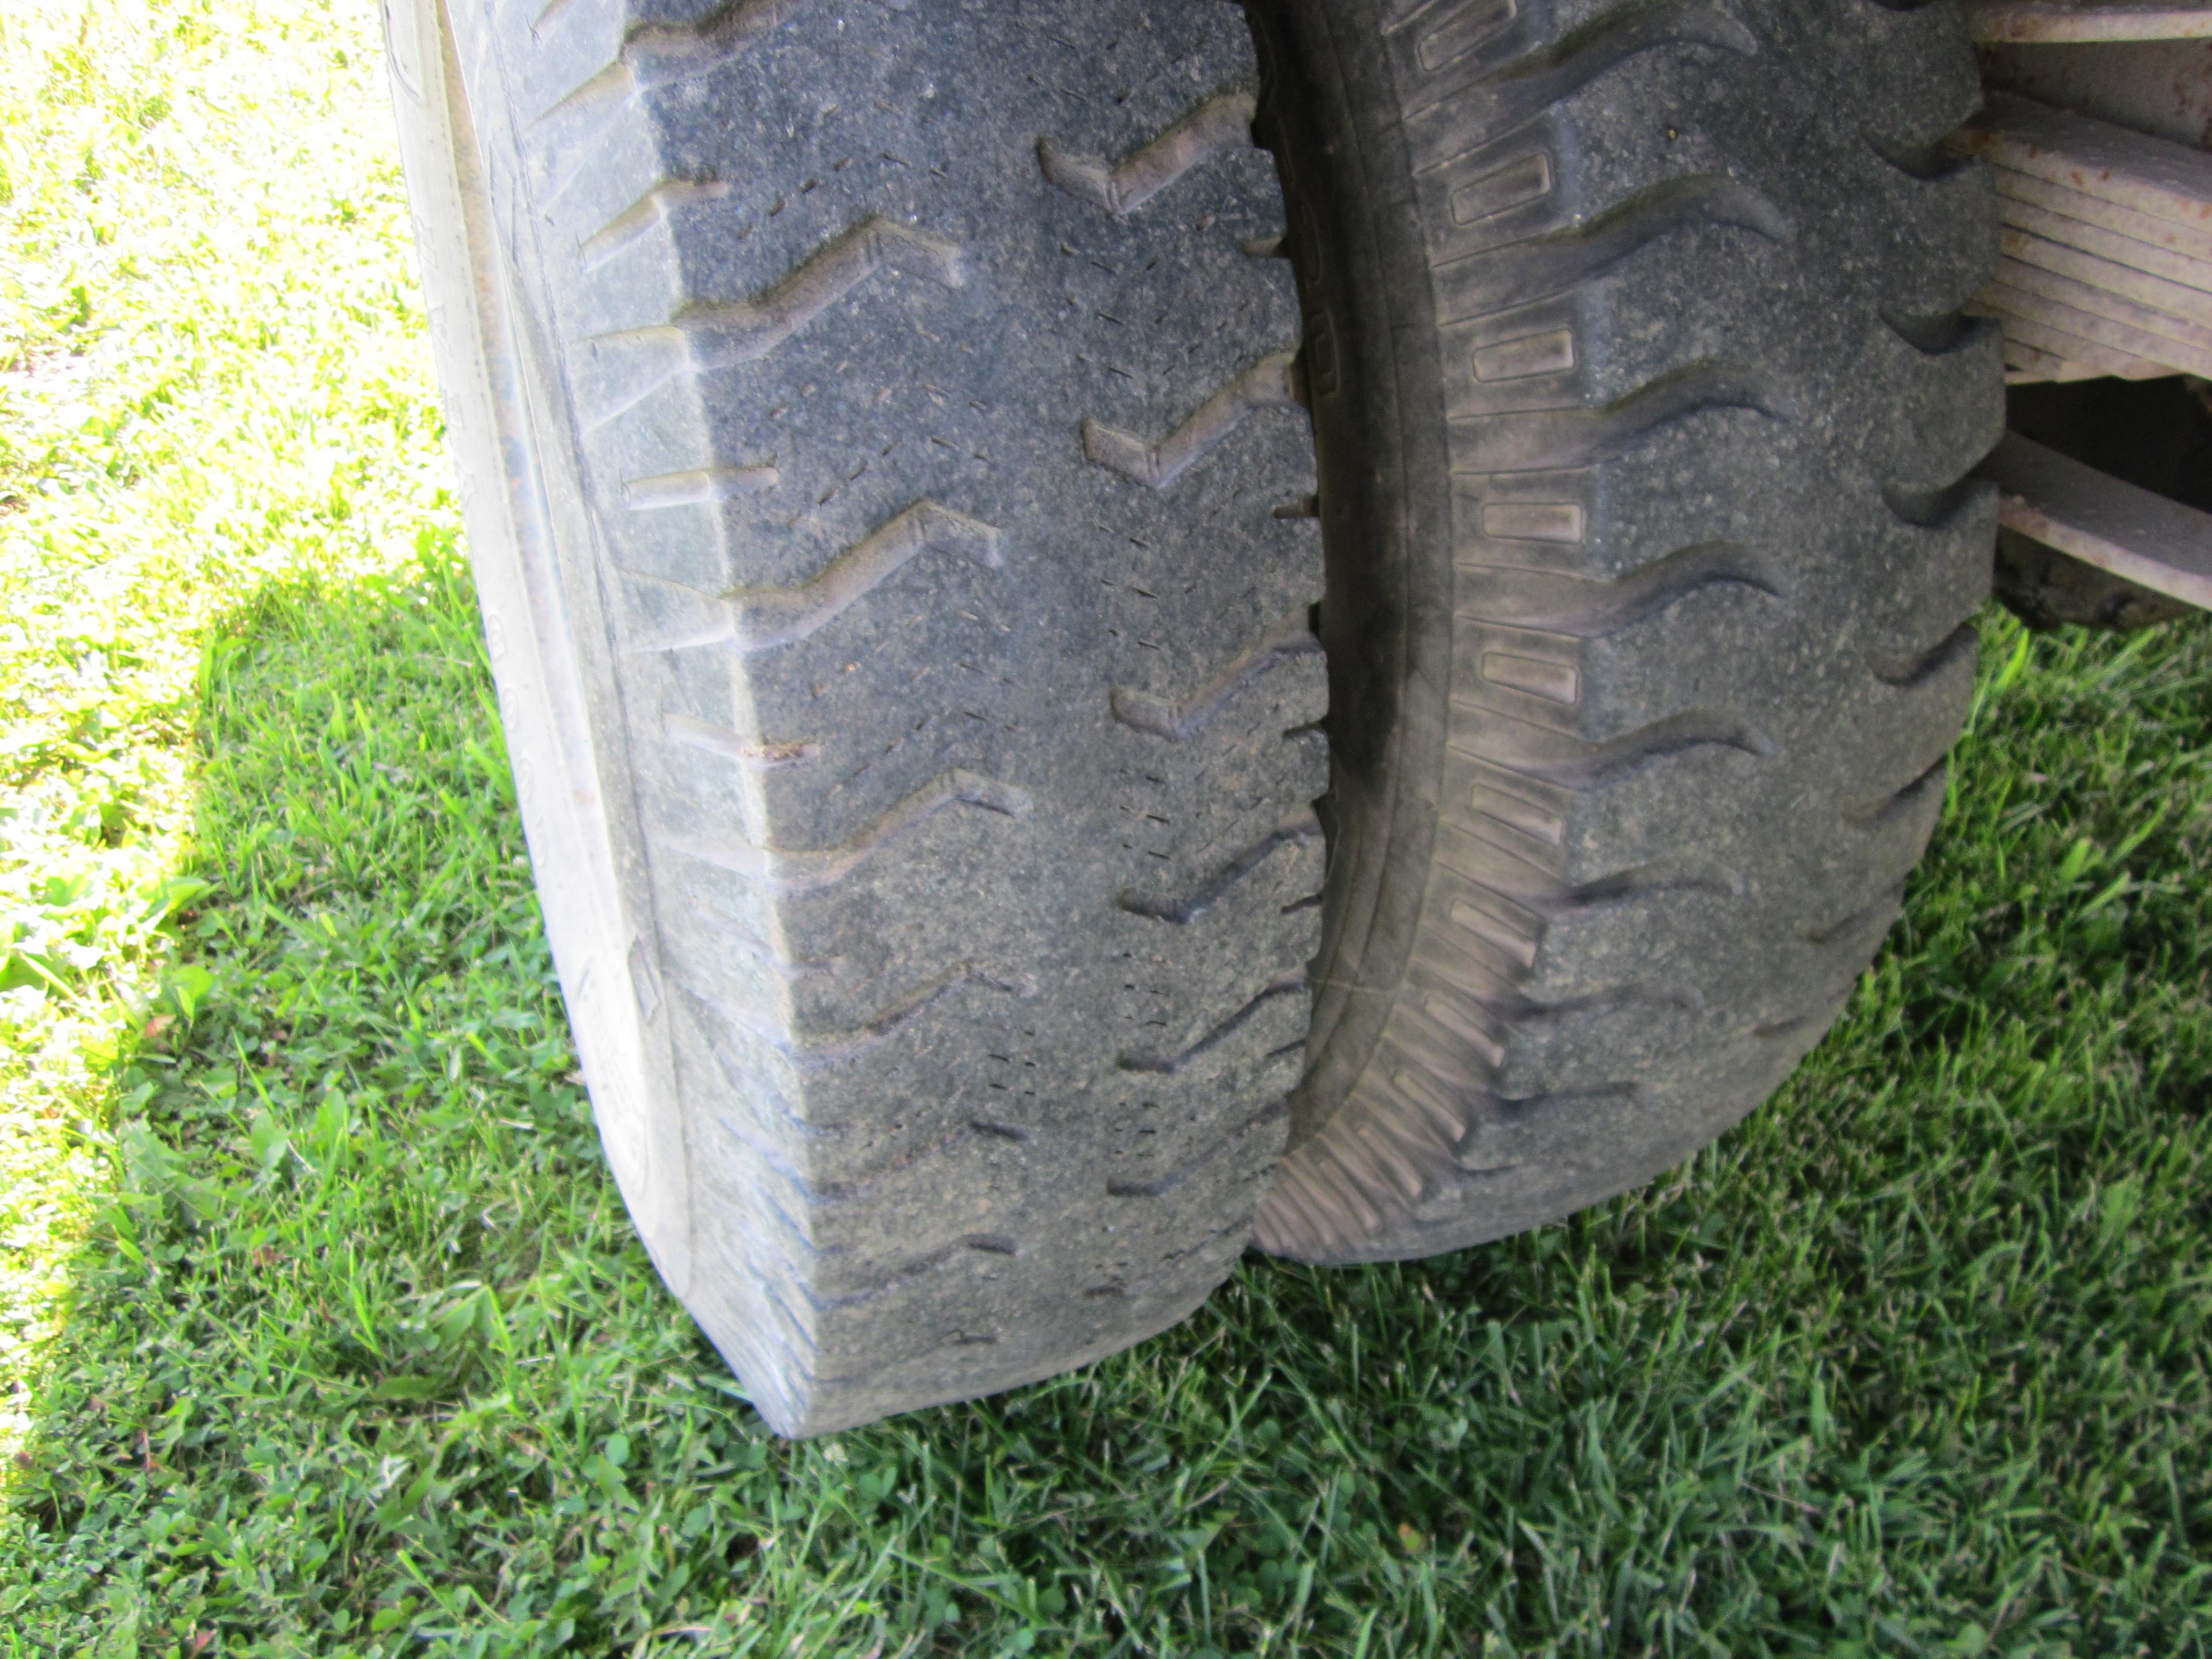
x,y
1645,406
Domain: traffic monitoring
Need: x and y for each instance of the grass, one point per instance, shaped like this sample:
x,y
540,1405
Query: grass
x,y
211,375
324,1331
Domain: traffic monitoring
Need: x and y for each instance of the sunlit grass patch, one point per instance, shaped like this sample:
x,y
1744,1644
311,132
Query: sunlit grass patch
x,y
211,378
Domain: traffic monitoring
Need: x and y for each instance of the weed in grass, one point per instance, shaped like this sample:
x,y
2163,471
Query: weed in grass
x,y
361,1357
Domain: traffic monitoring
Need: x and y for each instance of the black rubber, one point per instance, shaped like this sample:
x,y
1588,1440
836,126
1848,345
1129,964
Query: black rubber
x,y
1644,402
920,719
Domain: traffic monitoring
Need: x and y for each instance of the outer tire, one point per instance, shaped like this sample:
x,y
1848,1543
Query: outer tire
x,y
1644,401
916,756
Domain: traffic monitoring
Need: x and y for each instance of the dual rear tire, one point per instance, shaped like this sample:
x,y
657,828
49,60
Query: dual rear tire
x,y
984,903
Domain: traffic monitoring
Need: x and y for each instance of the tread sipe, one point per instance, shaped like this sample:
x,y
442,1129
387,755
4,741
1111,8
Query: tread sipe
x,y
874,431
1643,400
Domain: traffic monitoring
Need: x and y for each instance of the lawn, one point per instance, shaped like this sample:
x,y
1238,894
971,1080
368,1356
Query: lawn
x,y
321,1328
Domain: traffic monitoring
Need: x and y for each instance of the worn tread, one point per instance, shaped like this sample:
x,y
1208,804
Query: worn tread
x,y
861,626
1689,722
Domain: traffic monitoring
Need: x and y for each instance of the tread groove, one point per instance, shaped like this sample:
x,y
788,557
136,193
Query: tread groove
x,y
1962,643
758,618
1881,810
1886,903
719,741
712,335
1299,826
1566,439
1585,608
1543,77
787,872
1168,1065
638,219
994,1245
1274,1112
1219,126
1939,334
1271,383
1584,766
1516,274
1650,881
661,54
1944,508
1163,717
836,1044
699,487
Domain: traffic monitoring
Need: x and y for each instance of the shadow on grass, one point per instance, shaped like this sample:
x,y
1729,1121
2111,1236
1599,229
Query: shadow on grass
x,y
365,1359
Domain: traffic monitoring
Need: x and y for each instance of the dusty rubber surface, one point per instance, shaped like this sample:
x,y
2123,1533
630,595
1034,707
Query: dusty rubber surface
x,y
1644,402
920,800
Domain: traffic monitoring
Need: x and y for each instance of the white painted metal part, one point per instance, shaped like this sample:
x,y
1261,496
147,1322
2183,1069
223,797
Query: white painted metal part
x,y
2106,265
2095,518
2070,20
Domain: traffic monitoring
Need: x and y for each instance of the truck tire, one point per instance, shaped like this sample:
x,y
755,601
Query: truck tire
x,y
882,465
1644,407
